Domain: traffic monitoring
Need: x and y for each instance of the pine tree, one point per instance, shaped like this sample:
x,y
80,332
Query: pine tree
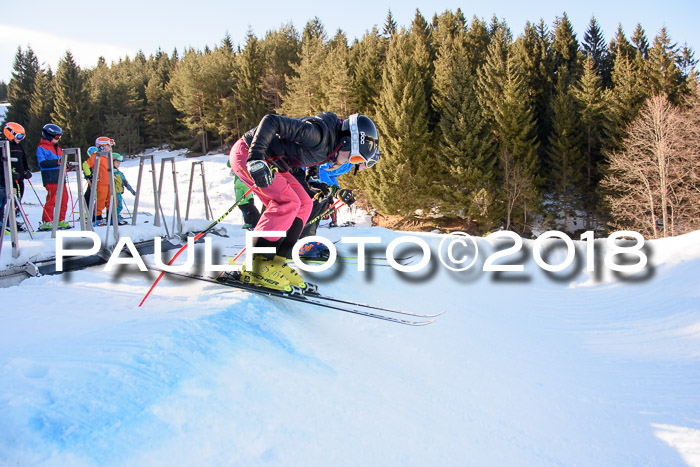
x,y
620,45
369,58
492,76
129,128
227,42
72,108
594,47
532,55
39,112
19,90
639,39
567,158
665,75
424,58
397,184
314,30
281,51
106,98
390,26
3,91
465,160
161,116
477,42
517,151
626,97
686,63
337,85
593,107
304,95
219,81
565,50
250,74
447,26
188,96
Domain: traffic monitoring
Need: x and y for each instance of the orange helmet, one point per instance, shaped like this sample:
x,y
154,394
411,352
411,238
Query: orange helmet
x,y
103,141
14,132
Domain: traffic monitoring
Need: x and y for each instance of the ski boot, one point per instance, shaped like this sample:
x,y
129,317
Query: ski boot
x,y
45,226
266,273
294,278
63,225
120,221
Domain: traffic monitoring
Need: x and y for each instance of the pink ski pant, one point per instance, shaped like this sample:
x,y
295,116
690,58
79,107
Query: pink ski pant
x,y
284,199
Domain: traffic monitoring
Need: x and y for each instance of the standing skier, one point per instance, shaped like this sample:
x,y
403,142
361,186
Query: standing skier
x,y
87,174
263,157
251,214
101,179
120,183
14,132
48,155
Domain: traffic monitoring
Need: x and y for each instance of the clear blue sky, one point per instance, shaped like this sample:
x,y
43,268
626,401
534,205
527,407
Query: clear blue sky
x,y
115,29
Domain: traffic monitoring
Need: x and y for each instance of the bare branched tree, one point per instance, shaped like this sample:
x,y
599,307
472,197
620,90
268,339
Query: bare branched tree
x,y
653,179
518,190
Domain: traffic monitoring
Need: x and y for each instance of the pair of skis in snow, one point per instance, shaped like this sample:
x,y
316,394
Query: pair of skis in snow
x,y
314,298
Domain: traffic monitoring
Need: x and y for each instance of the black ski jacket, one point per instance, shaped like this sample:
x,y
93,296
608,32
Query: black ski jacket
x,y
19,166
296,142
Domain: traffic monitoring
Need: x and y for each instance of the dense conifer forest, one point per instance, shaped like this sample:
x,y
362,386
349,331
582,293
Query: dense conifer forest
x,y
479,124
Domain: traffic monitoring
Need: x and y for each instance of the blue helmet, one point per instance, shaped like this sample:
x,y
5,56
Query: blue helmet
x,y
50,131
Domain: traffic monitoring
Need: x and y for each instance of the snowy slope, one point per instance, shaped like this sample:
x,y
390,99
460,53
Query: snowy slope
x,y
523,369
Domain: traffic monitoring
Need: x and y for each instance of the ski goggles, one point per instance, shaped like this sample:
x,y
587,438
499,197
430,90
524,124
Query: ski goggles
x,y
360,159
19,136
104,141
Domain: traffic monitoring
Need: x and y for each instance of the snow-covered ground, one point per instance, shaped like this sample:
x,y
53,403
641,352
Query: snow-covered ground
x,y
528,368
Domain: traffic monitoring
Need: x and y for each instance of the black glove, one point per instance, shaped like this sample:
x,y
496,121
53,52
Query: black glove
x,y
319,188
261,173
347,196
27,174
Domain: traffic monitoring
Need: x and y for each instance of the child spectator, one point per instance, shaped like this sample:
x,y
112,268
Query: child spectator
x,y
48,155
120,183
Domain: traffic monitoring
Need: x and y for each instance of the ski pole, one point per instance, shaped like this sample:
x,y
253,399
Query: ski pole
x,y
197,237
37,194
337,205
72,204
24,213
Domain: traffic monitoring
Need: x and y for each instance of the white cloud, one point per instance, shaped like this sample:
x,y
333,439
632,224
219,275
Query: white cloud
x,y
50,48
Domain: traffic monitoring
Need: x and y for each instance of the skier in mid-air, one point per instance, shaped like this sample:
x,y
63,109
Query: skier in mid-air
x,y
263,157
